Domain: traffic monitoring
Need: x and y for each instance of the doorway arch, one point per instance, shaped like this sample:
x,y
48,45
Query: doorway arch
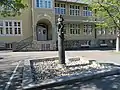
x,y
43,30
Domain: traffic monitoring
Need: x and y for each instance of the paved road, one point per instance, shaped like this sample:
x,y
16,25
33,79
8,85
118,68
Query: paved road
x,y
10,61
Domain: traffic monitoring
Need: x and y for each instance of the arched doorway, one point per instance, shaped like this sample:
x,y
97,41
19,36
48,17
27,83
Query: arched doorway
x,y
44,30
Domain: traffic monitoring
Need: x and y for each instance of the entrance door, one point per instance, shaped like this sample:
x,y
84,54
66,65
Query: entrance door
x,y
41,33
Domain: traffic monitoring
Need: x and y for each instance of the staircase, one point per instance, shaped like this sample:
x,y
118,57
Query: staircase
x,y
17,46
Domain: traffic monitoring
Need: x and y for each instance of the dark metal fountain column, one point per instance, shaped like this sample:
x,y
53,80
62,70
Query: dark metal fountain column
x,y
61,50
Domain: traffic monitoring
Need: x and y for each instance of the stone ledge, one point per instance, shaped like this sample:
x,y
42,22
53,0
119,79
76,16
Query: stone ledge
x,y
27,74
74,78
29,84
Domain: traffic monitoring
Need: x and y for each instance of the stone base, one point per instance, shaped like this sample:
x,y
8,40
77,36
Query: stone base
x,y
31,84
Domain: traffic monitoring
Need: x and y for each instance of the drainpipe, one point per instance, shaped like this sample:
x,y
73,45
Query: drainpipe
x,y
95,33
32,18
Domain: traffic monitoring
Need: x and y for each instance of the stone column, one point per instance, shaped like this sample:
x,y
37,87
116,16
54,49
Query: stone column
x,y
118,43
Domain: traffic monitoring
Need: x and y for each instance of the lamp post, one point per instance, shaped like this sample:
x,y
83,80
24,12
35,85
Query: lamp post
x,y
60,28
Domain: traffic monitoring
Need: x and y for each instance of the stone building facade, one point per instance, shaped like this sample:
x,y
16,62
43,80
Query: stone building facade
x,y
39,20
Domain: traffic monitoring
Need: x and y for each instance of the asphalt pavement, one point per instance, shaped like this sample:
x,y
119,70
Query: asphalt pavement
x,y
11,72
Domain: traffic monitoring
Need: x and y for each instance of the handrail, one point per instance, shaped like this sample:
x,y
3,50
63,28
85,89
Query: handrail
x,y
23,43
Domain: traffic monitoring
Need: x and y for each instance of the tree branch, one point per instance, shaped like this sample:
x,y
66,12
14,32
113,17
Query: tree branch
x,y
109,15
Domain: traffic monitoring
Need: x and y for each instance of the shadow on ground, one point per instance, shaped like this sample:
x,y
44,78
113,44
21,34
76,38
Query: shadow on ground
x,y
107,83
5,76
101,83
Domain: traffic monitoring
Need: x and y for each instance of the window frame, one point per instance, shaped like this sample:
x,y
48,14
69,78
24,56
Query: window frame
x,y
60,8
101,31
86,12
43,4
11,26
1,26
74,29
74,10
113,31
87,30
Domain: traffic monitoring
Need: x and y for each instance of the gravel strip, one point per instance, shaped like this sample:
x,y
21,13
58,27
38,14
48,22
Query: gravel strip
x,y
49,69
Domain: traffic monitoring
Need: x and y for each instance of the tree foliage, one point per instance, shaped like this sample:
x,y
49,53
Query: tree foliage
x,y
11,7
108,10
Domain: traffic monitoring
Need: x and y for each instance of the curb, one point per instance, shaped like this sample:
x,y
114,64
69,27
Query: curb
x,y
70,79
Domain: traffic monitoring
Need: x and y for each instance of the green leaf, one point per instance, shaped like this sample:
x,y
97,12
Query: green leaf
x,y
12,7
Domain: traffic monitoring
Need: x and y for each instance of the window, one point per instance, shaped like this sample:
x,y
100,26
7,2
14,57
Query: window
x,y
17,28
10,23
15,23
43,3
11,31
60,8
101,31
1,23
8,45
19,24
6,23
87,29
74,10
49,4
1,27
74,28
7,30
37,3
86,11
1,30
113,31
10,27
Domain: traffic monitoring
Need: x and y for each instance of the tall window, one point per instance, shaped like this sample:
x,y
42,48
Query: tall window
x,y
43,3
86,11
102,31
74,28
113,31
1,28
10,27
74,10
17,28
49,4
60,8
87,29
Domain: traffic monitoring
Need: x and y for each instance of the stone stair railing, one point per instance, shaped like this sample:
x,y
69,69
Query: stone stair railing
x,y
17,46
